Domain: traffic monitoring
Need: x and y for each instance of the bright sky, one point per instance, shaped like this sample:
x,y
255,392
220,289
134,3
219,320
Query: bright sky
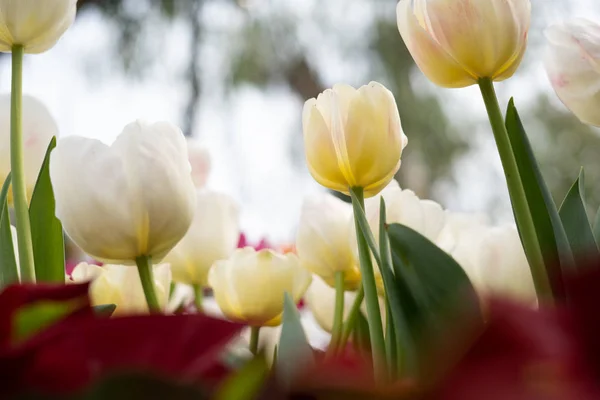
x,y
251,133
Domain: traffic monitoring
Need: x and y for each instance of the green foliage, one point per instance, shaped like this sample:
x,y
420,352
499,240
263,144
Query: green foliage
x,y
436,297
575,221
550,232
105,310
46,229
30,319
245,383
9,270
294,354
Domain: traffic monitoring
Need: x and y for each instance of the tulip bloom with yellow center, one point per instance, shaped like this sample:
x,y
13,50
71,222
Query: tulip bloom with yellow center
x,y
457,42
249,287
353,138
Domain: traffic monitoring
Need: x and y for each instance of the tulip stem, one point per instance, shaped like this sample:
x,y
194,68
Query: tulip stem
x,y
254,335
338,315
146,271
352,315
370,288
198,296
516,191
19,188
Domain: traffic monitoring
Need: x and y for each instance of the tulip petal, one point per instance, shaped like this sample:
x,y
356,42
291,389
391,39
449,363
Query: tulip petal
x,y
430,57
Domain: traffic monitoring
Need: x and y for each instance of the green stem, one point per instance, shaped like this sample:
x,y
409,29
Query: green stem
x,y
19,187
198,296
352,315
254,335
516,191
338,315
146,271
372,300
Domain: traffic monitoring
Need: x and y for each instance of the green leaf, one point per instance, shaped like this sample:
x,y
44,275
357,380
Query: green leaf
x,y
32,318
294,354
361,338
437,297
597,227
575,221
105,310
9,270
246,383
550,232
402,347
46,229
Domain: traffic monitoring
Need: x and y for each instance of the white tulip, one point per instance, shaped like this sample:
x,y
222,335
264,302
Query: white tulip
x,y
132,199
35,24
213,236
322,240
38,129
121,285
320,299
494,260
571,62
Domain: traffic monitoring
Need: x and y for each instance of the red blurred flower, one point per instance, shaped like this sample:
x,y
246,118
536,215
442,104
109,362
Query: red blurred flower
x,y
83,347
263,244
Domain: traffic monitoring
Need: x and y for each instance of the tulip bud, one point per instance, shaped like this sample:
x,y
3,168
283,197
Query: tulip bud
x,y
132,199
353,138
121,285
212,236
571,62
38,129
322,240
249,287
200,162
34,24
457,42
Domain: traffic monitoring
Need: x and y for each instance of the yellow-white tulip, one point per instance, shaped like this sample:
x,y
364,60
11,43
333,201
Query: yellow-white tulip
x,y
34,24
353,138
134,198
213,236
200,162
572,61
322,241
457,42
38,129
249,287
121,285
320,299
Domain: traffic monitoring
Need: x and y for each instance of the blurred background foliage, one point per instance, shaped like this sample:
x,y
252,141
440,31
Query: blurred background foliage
x,y
266,52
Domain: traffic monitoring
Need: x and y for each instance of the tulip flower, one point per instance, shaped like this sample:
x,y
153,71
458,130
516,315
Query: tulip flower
x,y
249,287
320,299
38,129
572,65
212,236
133,199
455,43
322,240
493,258
36,25
200,161
353,138
121,285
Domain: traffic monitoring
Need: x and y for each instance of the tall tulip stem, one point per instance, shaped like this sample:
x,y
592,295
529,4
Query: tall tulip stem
x,y
352,315
254,336
338,315
516,191
146,271
370,288
19,188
